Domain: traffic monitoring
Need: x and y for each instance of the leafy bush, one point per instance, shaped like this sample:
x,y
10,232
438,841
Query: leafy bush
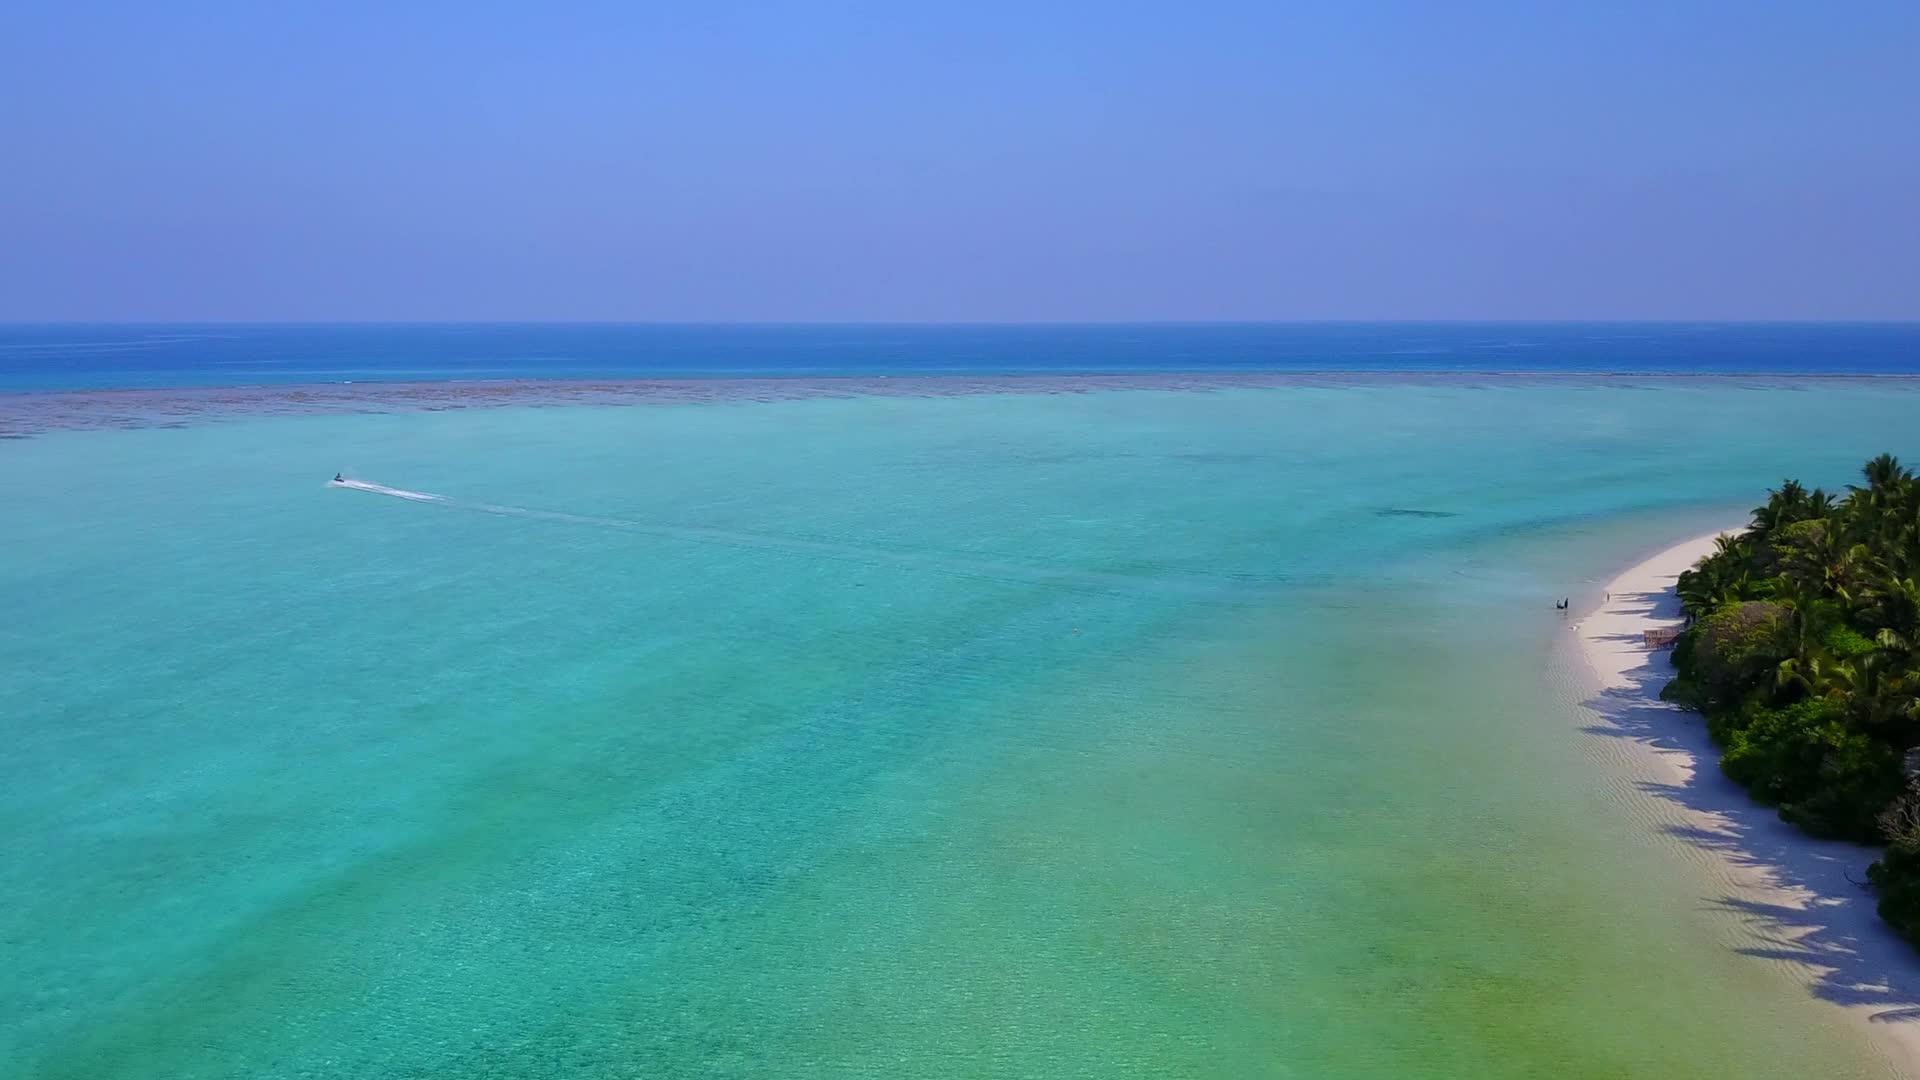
x,y
1682,655
1857,780
1734,647
1776,753
1724,724
1796,549
1896,878
1825,777
1685,693
1846,643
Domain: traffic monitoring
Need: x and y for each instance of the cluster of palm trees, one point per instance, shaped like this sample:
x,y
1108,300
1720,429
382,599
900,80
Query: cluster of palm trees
x,y
1846,573
1803,655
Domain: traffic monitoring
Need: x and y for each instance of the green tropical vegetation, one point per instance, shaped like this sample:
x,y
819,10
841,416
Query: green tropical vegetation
x,y
1801,652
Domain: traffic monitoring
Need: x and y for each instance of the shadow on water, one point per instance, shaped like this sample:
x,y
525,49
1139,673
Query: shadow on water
x,y
1852,958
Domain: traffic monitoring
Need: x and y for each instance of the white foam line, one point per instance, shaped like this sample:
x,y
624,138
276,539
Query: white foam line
x,y
382,489
1216,590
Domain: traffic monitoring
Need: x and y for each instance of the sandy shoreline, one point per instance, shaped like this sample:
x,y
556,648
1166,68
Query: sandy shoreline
x,y
1797,899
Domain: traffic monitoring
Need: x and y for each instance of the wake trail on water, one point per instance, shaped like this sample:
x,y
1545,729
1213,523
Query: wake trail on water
x,y
382,489
1197,586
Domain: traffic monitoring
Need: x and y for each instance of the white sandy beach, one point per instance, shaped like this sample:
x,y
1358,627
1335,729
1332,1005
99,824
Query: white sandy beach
x,y
1798,901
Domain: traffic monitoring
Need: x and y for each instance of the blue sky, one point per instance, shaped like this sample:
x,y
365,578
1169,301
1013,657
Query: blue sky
x,y
979,161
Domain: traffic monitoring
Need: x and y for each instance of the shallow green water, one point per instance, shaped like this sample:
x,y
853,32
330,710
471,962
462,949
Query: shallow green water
x,y
1105,734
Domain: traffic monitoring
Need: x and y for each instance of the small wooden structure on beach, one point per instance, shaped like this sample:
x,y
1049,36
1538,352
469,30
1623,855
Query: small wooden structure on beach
x,y
1662,638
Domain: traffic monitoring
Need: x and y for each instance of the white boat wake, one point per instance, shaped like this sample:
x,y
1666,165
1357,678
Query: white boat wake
x,y
1185,583
382,489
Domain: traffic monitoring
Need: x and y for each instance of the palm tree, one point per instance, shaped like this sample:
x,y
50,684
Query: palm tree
x,y
1781,508
1714,583
1889,489
1809,612
1810,675
1892,605
1885,474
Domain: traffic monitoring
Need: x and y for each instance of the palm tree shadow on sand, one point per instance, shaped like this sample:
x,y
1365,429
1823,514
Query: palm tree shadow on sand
x,y
1851,958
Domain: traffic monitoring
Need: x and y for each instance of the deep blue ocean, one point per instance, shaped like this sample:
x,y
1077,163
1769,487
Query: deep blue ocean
x,y
84,356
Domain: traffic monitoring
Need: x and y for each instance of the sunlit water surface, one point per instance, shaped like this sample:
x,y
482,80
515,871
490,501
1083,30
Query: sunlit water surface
x,y
1124,733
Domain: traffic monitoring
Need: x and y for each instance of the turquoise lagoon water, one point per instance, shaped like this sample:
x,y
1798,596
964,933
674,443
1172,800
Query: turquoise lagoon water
x,y
1119,733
